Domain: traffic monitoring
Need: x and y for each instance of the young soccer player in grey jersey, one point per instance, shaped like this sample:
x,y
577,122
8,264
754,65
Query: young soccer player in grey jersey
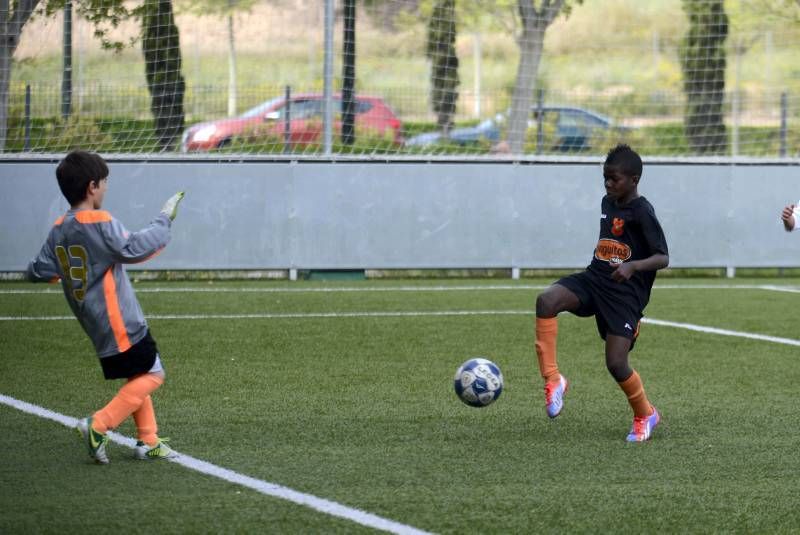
x,y
87,249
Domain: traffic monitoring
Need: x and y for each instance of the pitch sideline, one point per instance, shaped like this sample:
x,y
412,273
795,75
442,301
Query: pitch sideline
x,y
264,487
415,314
422,288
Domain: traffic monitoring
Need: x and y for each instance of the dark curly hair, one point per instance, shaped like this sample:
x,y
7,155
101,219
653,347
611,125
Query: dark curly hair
x,y
625,159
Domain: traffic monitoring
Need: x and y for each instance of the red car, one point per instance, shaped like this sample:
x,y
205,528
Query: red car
x,y
373,117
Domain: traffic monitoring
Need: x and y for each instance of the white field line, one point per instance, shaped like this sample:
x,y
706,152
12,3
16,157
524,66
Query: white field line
x,y
264,487
418,314
299,315
723,332
461,288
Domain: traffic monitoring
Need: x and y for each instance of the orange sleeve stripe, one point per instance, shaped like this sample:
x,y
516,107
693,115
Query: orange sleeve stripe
x,y
58,221
114,312
93,216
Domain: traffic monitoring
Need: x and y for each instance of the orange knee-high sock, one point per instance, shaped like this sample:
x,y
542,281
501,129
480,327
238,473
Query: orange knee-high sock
x,y
129,398
634,390
546,334
146,426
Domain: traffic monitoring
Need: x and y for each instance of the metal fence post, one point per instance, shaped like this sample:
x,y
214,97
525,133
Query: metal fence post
x,y
287,122
27,146
783,150
327,120
539,120
66,76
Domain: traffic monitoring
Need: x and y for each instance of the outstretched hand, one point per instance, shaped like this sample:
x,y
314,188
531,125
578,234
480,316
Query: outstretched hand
x,y
788,215
171,206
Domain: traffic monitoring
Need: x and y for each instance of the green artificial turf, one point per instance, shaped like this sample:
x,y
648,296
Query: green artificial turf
x,y
360,409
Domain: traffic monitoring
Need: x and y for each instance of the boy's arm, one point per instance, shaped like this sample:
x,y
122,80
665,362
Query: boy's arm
x,y
657,243
43,268
132,247
626,270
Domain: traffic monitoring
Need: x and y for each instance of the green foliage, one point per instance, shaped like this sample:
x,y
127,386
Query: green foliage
x,y
703,59
106,15
76,133
103,134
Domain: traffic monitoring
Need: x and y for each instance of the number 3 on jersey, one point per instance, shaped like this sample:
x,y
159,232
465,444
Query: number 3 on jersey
x,y
76,274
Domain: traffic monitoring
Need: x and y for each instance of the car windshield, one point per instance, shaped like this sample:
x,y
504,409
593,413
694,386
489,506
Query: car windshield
x,y
261,108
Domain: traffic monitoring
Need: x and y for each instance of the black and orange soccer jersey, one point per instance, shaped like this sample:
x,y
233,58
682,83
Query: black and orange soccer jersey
x,y
627,233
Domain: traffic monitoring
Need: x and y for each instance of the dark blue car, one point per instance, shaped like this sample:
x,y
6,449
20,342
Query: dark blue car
x,y
573,129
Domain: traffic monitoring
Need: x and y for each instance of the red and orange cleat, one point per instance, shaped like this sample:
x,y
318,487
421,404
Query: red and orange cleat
x,y
554,396
643,427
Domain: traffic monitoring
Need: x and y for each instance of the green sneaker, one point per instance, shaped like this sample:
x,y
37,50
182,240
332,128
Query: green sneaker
x,y
94,440
143,452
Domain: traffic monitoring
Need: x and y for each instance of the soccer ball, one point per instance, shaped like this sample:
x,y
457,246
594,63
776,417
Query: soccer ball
x,y
478,382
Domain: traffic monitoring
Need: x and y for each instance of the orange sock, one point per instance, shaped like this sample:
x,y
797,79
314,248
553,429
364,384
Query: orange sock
x,y
129,398
634,390
546,334
146,427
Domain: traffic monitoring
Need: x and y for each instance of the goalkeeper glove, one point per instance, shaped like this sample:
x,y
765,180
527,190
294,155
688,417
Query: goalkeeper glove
x,y
171,206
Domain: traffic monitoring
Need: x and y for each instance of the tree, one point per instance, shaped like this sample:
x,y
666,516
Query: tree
x,y
13,17
162,60
441,51
703,60
534,24
163,66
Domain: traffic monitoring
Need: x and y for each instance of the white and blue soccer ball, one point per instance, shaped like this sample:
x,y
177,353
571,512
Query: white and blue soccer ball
x,y
478,382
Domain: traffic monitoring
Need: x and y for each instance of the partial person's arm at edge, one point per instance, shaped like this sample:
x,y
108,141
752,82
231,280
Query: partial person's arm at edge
x,y
790,217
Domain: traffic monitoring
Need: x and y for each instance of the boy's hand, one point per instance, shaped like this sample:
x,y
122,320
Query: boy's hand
x,y
787,216
171,206
623,272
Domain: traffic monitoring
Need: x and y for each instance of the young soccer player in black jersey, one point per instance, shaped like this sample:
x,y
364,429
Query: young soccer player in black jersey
x,y
614,288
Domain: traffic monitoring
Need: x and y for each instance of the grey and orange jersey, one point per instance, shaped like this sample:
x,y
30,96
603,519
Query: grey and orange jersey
x,y
88,250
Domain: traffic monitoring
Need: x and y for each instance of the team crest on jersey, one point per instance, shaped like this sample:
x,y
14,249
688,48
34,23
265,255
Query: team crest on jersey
x,y
617,226
612,251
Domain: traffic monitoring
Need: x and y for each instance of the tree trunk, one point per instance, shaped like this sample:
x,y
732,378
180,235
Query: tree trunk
x,y
703,60
162,56
531,45
11,25
441,51
530,48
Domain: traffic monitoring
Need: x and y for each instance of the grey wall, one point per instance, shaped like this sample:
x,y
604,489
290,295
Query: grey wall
x,y
322,215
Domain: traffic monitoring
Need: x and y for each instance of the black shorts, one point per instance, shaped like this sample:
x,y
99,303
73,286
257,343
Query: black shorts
x,y
137,360
614,311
